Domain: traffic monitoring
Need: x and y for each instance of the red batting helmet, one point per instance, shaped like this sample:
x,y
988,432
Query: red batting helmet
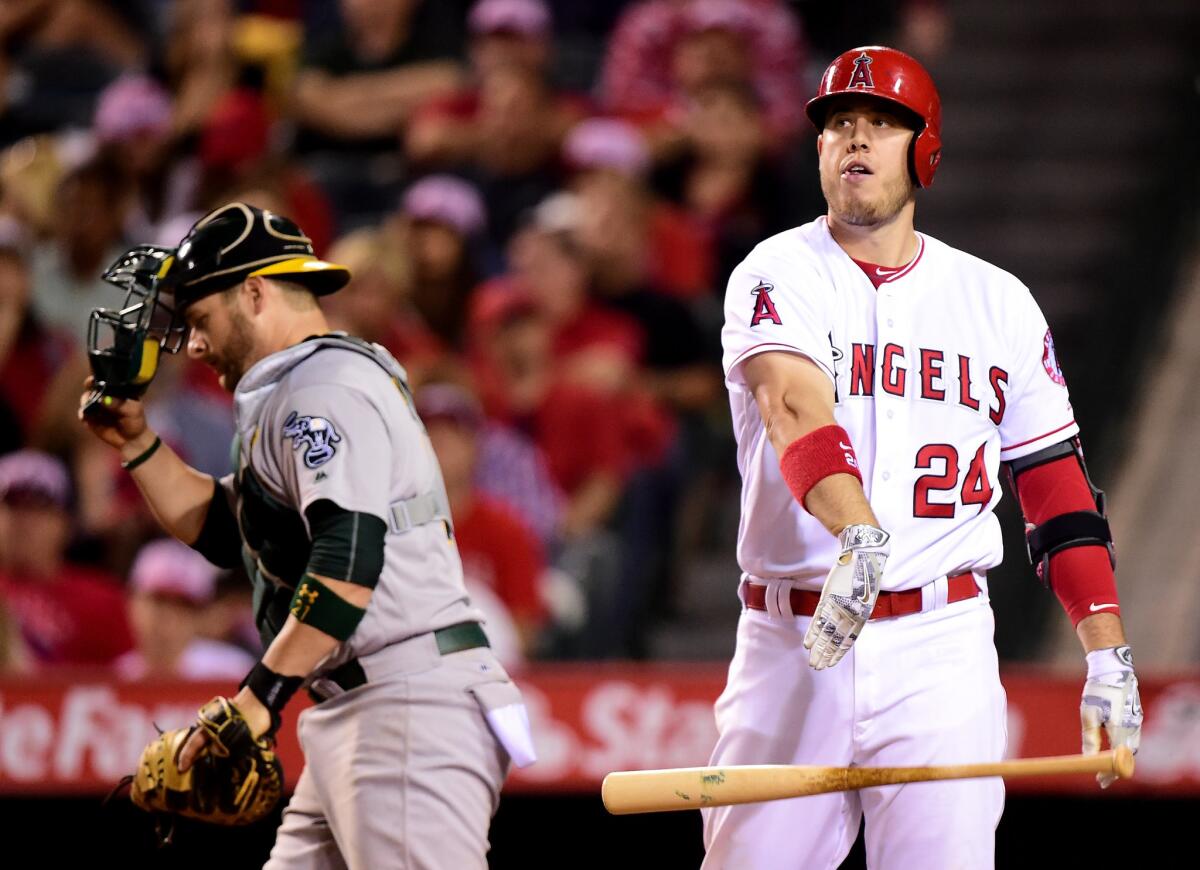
x,y
891,75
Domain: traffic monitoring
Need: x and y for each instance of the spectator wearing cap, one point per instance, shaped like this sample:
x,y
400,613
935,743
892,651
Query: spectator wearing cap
x,y
610,162
637,249
506,129
66,614
441,222
172,588
600,447
663,49
510,33
134,129
499,551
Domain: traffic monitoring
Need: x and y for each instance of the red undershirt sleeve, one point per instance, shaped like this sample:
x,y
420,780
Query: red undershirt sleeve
x,y
1082,577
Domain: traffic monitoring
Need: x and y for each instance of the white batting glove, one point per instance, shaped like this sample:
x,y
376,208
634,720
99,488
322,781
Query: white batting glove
x,y
1110,698
848,596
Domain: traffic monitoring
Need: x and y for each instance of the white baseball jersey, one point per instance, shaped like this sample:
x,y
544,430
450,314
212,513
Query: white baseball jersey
x,y
939,375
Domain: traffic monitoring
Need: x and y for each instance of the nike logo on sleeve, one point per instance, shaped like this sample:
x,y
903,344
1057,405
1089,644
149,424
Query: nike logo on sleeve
x,y
1094,607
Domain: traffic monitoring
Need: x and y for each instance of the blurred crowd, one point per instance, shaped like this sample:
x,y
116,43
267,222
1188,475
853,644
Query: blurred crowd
x,y
539,200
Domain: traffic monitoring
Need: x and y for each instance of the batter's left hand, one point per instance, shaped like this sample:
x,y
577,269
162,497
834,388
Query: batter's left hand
x,y
1111,700
848,596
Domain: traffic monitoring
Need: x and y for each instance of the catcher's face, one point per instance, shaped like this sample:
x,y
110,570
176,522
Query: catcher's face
x,y
220,335
863,153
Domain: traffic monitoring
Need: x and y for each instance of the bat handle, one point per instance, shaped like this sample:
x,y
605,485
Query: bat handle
x,y
1122,762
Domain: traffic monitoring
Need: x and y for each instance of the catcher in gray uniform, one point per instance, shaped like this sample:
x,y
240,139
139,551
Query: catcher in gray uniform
x,y
336,506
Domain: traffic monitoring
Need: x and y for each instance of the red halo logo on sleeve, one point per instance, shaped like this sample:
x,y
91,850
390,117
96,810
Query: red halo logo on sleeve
x,y
1050,361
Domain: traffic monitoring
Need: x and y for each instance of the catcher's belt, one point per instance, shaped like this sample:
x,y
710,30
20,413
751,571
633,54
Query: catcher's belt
x,y
451,639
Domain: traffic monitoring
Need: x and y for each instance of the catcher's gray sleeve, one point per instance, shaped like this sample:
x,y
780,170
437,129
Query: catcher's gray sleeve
x,y
334,445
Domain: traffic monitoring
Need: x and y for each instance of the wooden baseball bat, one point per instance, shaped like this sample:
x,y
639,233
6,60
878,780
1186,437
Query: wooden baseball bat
x,y
685,788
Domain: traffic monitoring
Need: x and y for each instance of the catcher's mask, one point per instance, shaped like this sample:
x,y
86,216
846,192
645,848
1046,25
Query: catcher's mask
x,y
222,249
124,343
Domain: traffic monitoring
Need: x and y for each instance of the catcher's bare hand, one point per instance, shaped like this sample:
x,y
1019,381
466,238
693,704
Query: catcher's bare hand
x,y
251,709
120,423
849,595
234,778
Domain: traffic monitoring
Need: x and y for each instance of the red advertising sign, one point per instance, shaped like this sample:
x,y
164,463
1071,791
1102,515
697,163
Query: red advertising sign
x,y
77,735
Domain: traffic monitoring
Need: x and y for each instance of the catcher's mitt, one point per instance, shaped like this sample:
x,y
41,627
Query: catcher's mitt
x,y
236,781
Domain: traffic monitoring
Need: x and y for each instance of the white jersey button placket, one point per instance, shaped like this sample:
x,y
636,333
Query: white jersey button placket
x,y
886,423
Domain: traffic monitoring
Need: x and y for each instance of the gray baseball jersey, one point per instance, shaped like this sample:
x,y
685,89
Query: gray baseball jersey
x,y
430,734
332,418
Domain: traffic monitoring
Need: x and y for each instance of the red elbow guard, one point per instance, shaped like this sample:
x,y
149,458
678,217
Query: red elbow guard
x,y
1080,575
813,457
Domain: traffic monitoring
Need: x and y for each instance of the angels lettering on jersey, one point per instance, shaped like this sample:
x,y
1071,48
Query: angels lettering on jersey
x,y
934,374
926,373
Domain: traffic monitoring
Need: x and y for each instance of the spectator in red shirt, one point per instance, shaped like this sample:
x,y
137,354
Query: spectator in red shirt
x,y
498,550
517,376
642,257
594,346
30,353
171,590
66,614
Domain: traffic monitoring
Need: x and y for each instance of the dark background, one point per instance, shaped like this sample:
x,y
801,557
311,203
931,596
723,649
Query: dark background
x,y
575,832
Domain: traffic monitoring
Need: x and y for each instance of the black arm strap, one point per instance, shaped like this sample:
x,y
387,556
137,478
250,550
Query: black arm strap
x,y
1075,529
1041,457
220,541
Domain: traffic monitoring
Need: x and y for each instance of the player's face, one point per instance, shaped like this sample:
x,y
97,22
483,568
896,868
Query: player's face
x,y
220,335
864,162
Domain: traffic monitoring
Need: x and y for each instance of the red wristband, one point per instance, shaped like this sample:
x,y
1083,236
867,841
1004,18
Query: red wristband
x,y
813,457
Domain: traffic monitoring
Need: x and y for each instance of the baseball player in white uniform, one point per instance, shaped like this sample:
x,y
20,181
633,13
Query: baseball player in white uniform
x,y
878,379
336,505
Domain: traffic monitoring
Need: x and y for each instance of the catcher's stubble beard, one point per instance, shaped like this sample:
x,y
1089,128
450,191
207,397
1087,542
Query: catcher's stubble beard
x,y
234,358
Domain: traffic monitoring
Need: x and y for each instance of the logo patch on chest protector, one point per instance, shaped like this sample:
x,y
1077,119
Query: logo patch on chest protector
x,y
1050,361
315,434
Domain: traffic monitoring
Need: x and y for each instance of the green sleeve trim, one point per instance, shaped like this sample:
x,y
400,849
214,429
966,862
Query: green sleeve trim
x,y
317,605
346,545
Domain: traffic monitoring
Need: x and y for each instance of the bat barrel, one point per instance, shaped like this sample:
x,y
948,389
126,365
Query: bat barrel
x,y
655,791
